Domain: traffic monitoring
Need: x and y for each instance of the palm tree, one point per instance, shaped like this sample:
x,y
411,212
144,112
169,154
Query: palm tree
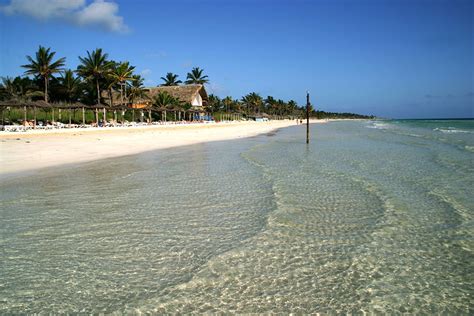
x,y
292,107
94,67
236,106
137,90
227,101
163,101
213,103
43,66
110,84
18,89
9,90
170,80
196,77
270,104
123,73
281,105
69,86
253,101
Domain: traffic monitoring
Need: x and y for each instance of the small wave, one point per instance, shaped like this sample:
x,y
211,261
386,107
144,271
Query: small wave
x,y
451,130
379,126
469,148
413,135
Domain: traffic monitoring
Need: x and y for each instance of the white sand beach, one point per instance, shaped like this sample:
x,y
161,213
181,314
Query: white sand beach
x,y
37,149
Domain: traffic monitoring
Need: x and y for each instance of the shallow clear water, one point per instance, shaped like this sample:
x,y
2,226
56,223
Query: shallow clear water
x,y
371,217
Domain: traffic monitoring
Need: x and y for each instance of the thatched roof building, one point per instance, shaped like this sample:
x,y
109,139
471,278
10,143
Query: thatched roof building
x,y
194,94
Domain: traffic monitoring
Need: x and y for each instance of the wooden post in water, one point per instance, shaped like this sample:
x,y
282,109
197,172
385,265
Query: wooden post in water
x,y
307,117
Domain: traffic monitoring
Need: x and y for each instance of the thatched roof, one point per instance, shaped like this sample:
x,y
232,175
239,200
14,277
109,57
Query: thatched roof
x,y
184,93
41,104
57,105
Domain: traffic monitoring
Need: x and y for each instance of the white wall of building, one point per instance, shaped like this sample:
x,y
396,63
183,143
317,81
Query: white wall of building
x,y
197,101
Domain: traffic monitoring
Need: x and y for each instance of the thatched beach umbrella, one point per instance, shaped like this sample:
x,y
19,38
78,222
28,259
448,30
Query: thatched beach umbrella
x,y
36,105
96,108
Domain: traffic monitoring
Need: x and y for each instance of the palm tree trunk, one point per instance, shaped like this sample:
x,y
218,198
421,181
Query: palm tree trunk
x,y
46,89
149,116
69,118
52,115
34,117
83,116
121,94
24,116
111,97
98,91
104,118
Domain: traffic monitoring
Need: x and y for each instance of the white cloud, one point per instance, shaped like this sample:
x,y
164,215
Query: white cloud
x,y
42,9
102,14
98,13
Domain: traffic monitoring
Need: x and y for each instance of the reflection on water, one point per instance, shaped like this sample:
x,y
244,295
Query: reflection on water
x,y
364,219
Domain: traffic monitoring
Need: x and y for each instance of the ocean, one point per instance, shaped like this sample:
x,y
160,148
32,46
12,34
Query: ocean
x,y
371,216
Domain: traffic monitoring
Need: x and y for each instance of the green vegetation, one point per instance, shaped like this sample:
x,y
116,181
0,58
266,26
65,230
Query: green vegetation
x,y
95,68
345,115
97,80
44,67
196,77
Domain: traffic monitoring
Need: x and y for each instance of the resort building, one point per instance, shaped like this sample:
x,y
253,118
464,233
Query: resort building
x,y
194,94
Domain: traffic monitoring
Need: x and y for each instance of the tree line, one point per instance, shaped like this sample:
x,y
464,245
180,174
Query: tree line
x,y
46,78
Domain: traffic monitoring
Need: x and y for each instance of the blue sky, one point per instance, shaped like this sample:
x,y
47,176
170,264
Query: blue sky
x,y
399,59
